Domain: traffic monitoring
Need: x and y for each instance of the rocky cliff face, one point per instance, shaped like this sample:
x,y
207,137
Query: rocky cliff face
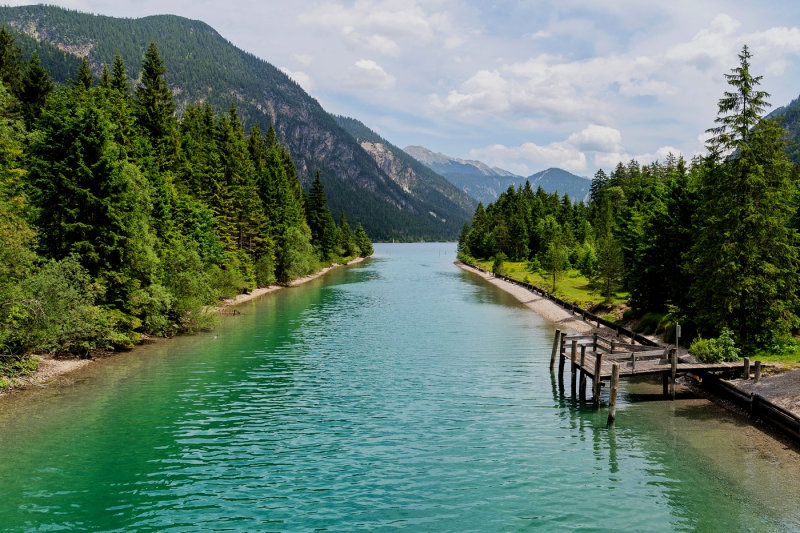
x,y
442,199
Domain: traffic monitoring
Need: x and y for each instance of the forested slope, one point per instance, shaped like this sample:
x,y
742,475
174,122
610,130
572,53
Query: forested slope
x,y
119,220
203,66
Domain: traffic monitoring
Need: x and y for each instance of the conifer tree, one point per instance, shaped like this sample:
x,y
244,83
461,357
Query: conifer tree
x,y
154,106
10,62
363,242
36,87
83,77
745,259
119,78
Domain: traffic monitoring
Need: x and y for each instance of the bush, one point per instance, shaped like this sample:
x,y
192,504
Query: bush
x,y
59,311
498,265
723,348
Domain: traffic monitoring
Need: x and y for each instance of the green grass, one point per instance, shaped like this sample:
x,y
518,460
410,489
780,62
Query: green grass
x,y
784,351
572,287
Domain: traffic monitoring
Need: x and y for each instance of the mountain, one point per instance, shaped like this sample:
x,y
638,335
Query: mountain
x,y
202,66
557,179
444,199
790,115
485,183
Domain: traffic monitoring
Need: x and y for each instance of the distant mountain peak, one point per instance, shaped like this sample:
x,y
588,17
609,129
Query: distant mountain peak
x,y
485,183
435,160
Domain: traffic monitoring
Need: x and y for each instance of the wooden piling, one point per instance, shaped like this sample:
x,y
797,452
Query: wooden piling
x,y
561,357
556,344
582,382
612,399
594,343
746,368
758,371
673,354
573,367
633,362
598,365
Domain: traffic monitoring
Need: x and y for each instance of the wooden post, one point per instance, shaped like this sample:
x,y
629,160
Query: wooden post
x,y
758,371
556,344
633,362
665,385
612,347
673,355
582,384
574,365
612,408
561,357
746,368
598,365
594,343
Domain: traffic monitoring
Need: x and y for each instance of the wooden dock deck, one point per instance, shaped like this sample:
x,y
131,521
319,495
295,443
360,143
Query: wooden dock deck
x,y
601,359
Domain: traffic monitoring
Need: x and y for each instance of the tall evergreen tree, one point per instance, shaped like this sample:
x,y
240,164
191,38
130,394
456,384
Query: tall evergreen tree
x,y
10,62
745,258
154,106
83,77
36,87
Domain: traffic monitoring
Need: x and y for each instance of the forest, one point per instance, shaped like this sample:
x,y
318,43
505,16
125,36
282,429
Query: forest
x,y
120,220
711,244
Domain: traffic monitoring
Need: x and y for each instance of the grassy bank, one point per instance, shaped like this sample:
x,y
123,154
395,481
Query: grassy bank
x,y
572,286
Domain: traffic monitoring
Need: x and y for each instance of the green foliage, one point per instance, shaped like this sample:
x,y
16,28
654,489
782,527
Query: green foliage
x,y
201,65
13,368
362,241
141,222
59,313
745,258
498,264
716,350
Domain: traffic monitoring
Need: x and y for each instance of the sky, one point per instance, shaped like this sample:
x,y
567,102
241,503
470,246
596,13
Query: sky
x,y
522,85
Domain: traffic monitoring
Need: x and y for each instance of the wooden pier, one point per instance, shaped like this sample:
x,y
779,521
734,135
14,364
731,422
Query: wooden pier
x,y
601,359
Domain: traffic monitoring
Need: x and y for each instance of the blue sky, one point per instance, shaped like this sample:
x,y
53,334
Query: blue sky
x,y
524,85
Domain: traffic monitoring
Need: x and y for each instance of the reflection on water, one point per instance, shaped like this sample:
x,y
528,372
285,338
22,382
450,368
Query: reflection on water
x,y
400,393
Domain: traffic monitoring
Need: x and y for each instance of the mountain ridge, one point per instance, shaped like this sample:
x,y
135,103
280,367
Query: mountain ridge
x,y
203,66
485,183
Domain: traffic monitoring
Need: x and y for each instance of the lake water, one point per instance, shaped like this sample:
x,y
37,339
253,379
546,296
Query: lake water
x,y
399,394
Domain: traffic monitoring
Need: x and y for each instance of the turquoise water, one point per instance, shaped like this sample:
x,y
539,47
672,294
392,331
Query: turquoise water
x,y
399,394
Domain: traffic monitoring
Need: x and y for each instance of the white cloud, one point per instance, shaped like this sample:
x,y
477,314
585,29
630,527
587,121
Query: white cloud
x,y
304,59
532,155
302,79
378,26
367,74
710,47
597,139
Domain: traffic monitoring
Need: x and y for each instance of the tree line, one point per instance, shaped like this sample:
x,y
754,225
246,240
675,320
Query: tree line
x,y
119,219
713,242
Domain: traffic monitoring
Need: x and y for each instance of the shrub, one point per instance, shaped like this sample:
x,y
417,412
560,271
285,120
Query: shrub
x,y
723,348
498,265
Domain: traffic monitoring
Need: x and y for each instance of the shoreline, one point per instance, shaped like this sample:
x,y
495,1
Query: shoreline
x,y
548,310
779,390
52,370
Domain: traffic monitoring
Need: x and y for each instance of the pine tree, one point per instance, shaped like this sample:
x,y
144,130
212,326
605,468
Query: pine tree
x,y
745,258
154,106
83,78
363,242
119,78
36,87
320,220
10,62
